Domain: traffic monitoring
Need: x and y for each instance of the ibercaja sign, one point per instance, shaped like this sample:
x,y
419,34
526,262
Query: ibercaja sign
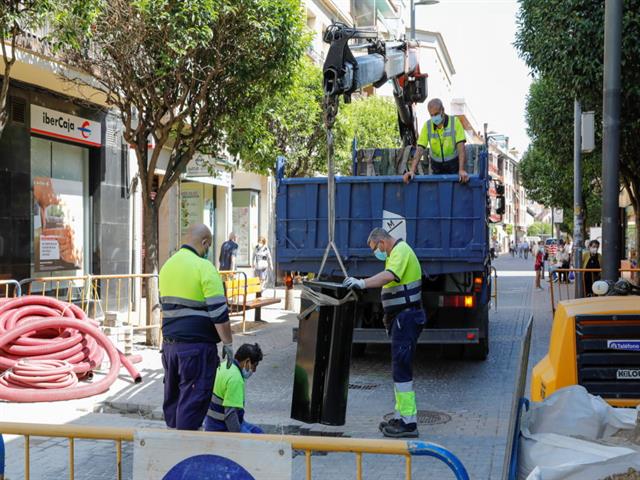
x,y
52,123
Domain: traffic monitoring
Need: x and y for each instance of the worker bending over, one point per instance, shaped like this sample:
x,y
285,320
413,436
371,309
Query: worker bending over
x,y
404,318
226,410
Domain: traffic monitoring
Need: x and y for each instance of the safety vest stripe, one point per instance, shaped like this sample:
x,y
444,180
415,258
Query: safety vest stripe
x,y
216,300
185,302
216,415
404,386
219,311
402,288
401,294
401,301
185,312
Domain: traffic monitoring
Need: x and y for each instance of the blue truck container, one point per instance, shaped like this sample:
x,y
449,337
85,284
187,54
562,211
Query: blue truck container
x,y
444,221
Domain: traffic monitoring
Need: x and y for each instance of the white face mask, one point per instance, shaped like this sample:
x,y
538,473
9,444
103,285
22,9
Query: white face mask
x,y
593,250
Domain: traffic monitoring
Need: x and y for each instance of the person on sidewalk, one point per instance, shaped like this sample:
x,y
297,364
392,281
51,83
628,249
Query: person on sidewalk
x,y
539,265
591,259
261,262
404,318
444,136
226,410
195,318
228,254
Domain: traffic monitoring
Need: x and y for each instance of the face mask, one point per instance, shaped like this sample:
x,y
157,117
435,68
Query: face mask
x,y
593,250
382,256
437,119
246,373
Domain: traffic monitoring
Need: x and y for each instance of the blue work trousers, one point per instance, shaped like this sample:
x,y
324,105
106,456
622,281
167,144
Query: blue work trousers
x,y
189,373
405,330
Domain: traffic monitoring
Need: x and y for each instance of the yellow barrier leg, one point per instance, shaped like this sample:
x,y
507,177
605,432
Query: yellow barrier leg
x,y
27,451
71,458
119,460
408,467
359,466
307,454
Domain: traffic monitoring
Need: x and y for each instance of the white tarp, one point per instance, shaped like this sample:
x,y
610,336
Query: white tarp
x,y
573,435
179,455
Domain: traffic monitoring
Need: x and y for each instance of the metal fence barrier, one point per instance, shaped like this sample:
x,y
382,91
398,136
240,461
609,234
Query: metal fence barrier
x,y
494,292
10,288
96,294
308,444
562,282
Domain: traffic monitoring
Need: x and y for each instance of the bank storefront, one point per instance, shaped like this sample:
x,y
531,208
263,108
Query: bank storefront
x,y
63,177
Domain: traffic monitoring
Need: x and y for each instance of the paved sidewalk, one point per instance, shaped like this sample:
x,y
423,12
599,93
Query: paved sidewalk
x,y
472,400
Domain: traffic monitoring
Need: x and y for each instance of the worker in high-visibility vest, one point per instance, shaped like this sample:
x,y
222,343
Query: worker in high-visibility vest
x,y
404,318
444,136
226,411
195,317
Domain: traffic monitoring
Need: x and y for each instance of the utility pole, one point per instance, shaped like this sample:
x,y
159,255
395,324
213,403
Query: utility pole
x,y
611,140
577,196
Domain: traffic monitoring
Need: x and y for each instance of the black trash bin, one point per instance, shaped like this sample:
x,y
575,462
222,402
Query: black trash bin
x,y
321,377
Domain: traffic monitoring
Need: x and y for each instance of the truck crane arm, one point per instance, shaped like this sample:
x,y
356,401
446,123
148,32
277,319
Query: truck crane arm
x,y
344,72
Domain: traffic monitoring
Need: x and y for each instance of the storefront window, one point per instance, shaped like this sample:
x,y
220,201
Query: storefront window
x,y
61,213
197,205
246,223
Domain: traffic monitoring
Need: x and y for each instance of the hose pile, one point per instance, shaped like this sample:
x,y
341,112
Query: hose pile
x,y
46,345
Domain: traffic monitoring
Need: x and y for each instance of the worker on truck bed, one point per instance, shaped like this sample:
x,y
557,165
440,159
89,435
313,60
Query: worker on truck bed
x,y
195,317
444,136
226,411
404,318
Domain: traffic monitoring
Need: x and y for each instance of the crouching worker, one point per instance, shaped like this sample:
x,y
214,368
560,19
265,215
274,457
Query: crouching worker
x,y
226,410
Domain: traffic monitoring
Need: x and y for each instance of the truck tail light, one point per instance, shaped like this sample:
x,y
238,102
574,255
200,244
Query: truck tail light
x,y
458,301
477,284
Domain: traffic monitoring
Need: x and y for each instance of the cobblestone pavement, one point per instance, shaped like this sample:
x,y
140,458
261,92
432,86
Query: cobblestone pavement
x,y
473,399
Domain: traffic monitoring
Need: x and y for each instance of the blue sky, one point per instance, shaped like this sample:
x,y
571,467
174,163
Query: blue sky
x,y
479,35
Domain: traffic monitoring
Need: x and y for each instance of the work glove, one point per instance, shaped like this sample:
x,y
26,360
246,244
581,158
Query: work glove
x,y
227,352
352,282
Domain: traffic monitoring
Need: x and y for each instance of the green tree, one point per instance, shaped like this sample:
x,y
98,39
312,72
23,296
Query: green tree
x,y
539,228
17,17
288,123
562,43
372,121
178,72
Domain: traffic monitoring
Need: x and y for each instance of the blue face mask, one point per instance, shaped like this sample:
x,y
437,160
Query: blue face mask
x,y
246,373
382,256
437,119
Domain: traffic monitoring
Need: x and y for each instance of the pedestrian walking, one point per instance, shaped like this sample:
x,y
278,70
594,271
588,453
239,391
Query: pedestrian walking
x,y
538,266
261,261
195,318
525,249
226,410
564,257
443,135
228,254
512,249
404,318
591,259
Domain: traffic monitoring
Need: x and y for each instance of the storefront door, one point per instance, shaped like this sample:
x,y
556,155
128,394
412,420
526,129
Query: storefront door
x,y
61,209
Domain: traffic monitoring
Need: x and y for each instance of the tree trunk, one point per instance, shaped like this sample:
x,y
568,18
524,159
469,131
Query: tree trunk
x,y
151,264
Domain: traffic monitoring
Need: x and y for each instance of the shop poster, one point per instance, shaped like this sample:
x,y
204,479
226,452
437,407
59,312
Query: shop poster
x,y
58,227
241,218
190,208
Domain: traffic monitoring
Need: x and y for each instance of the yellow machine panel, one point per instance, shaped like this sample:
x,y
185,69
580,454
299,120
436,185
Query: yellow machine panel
x,y
595,342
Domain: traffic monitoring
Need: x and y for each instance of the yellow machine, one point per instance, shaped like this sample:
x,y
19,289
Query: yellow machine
x,y
595,342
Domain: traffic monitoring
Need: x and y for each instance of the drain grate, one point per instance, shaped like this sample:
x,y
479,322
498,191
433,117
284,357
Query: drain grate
x,y
427,417
363,386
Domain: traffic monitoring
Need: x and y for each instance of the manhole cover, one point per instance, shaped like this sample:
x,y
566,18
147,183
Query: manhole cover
x,y
362,386
427,417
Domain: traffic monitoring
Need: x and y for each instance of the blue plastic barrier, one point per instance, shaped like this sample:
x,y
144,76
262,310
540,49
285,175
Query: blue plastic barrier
x,y
426,449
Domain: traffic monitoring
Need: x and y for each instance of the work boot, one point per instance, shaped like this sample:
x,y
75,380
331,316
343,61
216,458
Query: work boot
x,y
400,429
385,424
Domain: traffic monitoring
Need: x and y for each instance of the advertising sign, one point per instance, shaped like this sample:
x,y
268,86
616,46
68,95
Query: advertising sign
x,y
211,457
58,224
52,123
190,206
206,166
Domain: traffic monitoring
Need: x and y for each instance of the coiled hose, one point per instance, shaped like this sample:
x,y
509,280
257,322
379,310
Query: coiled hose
x,y
46,345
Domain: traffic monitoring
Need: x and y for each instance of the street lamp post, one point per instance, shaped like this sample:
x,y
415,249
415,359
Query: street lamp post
x,y
415,4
